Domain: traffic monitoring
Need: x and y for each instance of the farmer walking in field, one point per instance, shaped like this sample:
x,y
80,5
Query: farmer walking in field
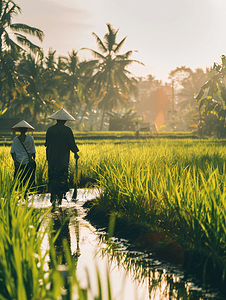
x,y
59,142
23,154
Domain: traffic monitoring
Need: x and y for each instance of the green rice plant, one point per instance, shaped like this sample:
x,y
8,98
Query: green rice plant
x,y
20,249
41,176
26,271
179,182
182,184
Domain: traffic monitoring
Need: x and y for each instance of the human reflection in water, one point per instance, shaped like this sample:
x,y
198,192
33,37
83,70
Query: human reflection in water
x,y
66,227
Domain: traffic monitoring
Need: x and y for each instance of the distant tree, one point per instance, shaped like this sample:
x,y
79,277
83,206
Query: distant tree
x,y
187,84
13,41
31,72
122,121
111,80
212,100
71,81
40,86
145,103
10,84
73,75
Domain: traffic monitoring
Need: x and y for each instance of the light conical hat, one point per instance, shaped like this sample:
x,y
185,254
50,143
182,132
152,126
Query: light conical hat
x,y
22,124
62,114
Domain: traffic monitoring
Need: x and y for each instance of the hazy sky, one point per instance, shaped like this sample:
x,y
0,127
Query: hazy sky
x,y
166,33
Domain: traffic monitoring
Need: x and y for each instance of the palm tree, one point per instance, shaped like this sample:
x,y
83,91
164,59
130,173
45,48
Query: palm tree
x,y
40,85
10,85
8,9
111,81
12,40
31,73
72,81
73,76
189,83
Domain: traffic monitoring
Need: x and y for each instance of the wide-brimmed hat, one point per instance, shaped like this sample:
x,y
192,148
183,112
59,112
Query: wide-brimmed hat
x,y
62,114
22,124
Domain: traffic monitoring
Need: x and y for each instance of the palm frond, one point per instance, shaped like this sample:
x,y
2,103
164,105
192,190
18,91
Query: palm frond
x,y
110,38
100,44
86,65
119,46
21,39
9,43
18,27
95,53
121,83
9,12
130,61
125,55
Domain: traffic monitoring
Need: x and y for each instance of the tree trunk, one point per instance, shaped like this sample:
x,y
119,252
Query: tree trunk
x,y
102,120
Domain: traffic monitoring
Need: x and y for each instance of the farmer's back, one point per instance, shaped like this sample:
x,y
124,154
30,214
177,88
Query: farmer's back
x,y
59,142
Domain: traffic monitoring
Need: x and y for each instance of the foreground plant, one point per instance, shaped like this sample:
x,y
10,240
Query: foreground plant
x,y
184,189
26,270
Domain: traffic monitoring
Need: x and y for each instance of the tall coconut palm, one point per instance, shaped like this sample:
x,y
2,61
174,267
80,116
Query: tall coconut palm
x,y
73,77
111,80
12,41
72,81
31,73
9,9
10,85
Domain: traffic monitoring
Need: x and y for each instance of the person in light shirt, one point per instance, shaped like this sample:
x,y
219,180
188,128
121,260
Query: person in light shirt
x,y
23,154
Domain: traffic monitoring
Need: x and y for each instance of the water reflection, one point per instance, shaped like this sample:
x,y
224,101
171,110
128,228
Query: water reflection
x,y
160,281
65,225
164,281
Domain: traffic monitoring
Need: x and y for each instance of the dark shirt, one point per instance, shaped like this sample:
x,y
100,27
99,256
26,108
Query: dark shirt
x,y
59,142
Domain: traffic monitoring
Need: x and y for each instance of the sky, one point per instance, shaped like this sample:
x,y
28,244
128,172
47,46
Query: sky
x,y
164,34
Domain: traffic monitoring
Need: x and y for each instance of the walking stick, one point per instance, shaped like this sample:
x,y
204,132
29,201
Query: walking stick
x,y
74,196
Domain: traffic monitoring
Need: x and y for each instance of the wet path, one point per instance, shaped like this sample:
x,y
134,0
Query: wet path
x,y
134,275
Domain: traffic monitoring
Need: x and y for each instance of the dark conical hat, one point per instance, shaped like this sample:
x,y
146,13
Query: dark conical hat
x,y
62,114
22,124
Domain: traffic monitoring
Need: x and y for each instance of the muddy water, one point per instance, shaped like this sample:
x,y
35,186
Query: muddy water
x,y
134,275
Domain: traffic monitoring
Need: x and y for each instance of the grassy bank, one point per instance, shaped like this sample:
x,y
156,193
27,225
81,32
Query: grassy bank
x,y
95,136
181,185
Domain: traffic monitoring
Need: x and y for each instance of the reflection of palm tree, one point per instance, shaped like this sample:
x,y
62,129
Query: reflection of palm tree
x,y
111,80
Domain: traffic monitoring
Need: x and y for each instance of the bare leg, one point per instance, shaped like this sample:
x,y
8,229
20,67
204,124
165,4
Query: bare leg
x,y
53,199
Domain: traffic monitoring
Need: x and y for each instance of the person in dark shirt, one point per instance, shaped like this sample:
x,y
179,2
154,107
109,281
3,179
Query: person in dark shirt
x,y
59,142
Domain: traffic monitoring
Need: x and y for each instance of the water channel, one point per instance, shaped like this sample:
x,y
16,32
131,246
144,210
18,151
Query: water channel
x,y
134,275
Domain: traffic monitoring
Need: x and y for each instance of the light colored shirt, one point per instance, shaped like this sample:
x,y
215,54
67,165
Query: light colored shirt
x,y
137,127
18,149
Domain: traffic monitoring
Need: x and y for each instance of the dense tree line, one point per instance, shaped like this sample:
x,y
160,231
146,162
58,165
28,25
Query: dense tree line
x,y
33,85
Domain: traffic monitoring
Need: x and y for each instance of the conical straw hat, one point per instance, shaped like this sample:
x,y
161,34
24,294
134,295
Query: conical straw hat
x,y
62,114
22,124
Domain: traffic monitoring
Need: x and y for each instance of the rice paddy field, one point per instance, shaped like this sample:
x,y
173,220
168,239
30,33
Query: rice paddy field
x,y
180,184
